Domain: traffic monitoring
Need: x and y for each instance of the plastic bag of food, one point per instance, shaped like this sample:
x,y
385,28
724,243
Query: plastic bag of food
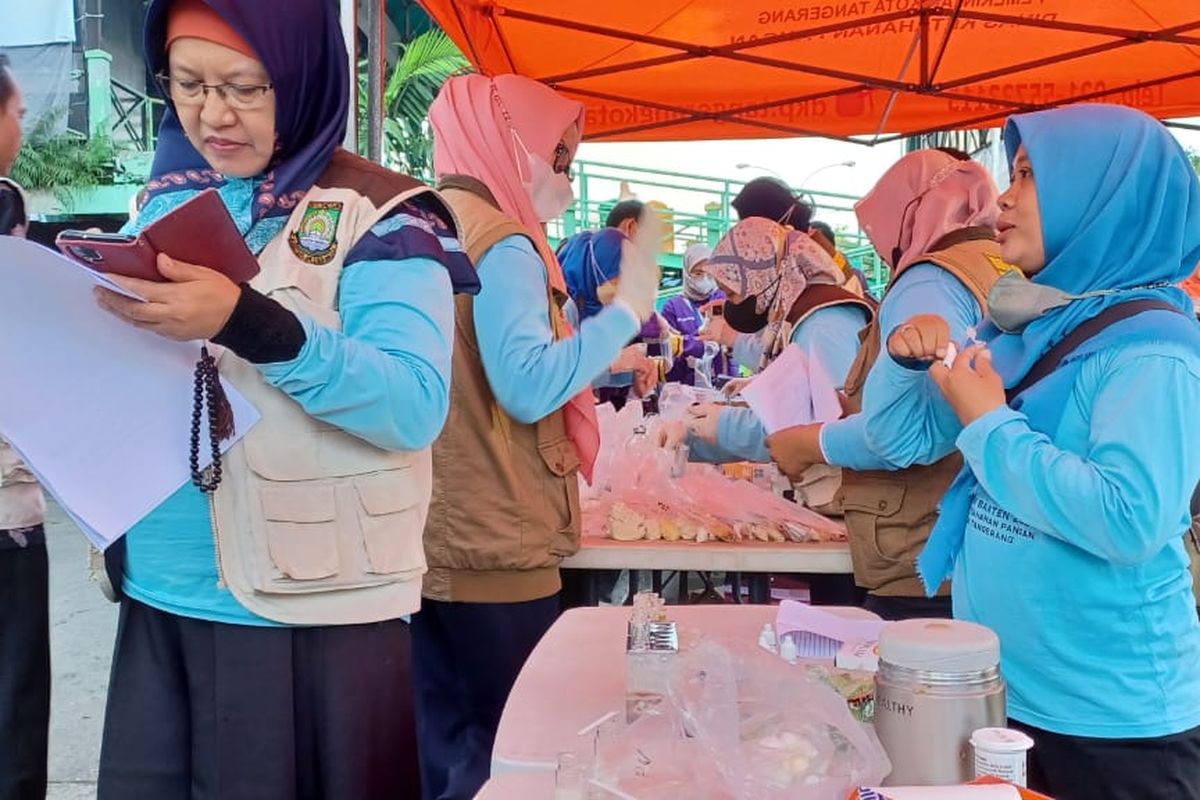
x,y
710,492
773,732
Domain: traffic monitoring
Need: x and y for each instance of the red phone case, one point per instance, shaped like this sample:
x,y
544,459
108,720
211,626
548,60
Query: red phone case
x,y
198,232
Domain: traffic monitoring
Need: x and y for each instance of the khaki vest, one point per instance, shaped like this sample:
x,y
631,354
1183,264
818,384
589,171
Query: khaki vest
x,y
21,502
313,525
819,488
890,514
505,495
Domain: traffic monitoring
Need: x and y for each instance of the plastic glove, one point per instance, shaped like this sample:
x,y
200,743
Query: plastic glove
x,y
638,284
711,349
735,386
702,421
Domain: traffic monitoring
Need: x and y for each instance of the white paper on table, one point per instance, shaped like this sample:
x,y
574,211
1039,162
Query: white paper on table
x,y
820,634
995,792
793,390
98,409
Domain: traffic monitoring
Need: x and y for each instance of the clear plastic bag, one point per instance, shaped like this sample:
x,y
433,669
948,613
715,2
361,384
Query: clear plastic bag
x,y
773,733
639,491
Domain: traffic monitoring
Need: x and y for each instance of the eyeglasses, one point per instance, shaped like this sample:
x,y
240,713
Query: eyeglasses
x,y
238,96
562,160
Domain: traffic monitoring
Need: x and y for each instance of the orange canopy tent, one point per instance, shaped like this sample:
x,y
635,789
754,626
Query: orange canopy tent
x,y
725,69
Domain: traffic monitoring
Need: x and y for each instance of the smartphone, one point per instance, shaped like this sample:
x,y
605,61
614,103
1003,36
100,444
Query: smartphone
x,y
198,232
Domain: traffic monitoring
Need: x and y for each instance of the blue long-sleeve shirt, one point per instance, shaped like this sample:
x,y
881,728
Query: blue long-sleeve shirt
x,y
396,342
859,441
530,373
829,335
1073,546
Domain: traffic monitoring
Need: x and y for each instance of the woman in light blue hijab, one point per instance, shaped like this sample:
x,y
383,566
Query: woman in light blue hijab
x,y
1064,531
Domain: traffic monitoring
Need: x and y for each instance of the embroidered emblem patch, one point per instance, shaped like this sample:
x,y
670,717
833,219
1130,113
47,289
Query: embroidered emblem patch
x,y
1000,265
315,240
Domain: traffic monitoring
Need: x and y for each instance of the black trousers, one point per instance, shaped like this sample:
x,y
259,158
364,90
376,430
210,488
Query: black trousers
x,y
466,657
204,711
896,609
1075,768
24,664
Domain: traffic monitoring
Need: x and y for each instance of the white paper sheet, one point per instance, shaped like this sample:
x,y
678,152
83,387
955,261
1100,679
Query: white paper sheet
x,y
99,409
793,390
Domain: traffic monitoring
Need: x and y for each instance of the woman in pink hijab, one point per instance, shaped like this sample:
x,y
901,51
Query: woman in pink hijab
x,y
522,421
931,218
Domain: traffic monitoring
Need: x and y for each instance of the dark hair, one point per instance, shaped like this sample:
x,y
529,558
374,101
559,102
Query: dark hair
x,y
624,210
8,85
955,153
825,230
12,209
773,199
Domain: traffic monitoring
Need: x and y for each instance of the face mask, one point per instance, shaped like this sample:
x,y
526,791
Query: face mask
x,y
743,317
1015,301
699,287
549,191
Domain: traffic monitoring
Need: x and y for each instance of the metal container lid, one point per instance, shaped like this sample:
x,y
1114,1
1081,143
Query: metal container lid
x,y
939,645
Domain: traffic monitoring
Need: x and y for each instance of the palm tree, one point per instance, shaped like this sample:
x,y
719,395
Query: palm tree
x,y
425,64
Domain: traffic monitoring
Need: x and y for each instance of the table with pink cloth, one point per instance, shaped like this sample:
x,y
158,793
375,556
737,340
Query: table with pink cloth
x,y
576,675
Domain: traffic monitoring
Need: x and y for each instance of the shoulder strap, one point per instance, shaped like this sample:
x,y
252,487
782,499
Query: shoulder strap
x,y
821,295
1081,334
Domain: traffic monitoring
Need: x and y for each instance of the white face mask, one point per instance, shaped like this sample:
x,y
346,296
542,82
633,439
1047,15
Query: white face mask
x,y
699,287
550,192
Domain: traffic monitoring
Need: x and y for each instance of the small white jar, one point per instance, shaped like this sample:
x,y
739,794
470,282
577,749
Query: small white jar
x,y
1002,753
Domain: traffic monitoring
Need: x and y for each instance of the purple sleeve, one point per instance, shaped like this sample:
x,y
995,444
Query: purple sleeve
x,y
651,330
692,345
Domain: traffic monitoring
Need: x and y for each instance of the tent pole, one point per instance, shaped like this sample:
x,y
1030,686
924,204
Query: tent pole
x,y
349,17
376,71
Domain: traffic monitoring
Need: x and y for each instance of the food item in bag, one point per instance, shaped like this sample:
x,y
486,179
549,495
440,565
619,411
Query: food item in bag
x,y
763,531
626,524
721,531
672,528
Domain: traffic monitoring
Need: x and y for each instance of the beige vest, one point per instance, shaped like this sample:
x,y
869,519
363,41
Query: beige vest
x,y
506,495
21,502
890,514
314,526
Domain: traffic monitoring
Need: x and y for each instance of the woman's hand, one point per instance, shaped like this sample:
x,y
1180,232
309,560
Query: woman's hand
x,y
646,375
972,386
924,338
718,331
702,421
735,386
672,434
196,303
796,449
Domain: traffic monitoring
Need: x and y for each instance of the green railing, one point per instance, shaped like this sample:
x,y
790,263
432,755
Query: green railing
x,y
696,209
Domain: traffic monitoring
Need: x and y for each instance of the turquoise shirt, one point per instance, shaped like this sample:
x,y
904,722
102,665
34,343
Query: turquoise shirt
x,y
396,339
1073,551
531,374
831,336
921,289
